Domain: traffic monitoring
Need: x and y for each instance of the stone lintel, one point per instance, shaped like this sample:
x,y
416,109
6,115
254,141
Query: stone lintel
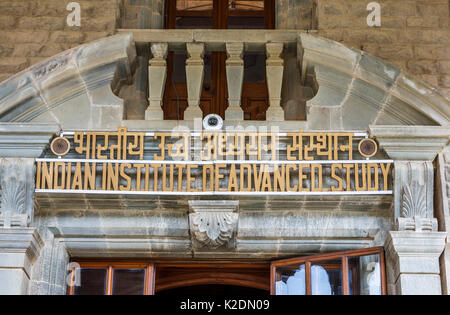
x,y
411,142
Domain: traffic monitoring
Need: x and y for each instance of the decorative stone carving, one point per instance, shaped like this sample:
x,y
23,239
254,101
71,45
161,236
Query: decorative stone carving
x,y
414,210
157,74
274,73
17,183
213,224
413,196
194,79
235,79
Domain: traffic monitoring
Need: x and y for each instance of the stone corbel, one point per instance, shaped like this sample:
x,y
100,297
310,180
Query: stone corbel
x,y
17,195
157,74
235,79
413,196
274,73
213,223
194,78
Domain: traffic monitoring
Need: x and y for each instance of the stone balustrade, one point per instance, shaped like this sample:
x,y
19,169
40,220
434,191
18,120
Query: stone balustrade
x,y
236,43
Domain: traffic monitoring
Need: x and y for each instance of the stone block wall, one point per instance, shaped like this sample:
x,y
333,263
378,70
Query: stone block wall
x,y
33,30
414,34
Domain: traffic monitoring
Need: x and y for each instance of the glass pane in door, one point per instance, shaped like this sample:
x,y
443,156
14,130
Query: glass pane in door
x,y
291,281
326,278
90,281
128,281
365,275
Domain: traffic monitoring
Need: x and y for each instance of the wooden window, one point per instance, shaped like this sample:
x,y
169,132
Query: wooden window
x,y
357,272
218,14
104,278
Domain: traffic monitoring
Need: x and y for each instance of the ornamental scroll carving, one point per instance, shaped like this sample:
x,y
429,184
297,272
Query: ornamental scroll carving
x,y
414,210
17,191
213,224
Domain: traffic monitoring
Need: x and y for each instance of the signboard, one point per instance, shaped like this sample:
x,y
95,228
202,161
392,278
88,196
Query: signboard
x,y
214,163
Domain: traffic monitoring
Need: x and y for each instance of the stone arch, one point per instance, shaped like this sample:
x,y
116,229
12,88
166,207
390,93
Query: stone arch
x,y
354,90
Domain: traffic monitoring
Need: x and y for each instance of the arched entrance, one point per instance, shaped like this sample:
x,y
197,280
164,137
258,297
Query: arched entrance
x,y
212,279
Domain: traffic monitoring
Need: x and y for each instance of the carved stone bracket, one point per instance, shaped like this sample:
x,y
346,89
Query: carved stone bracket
x,y
194,78
213,223
17,184
157,74
413,189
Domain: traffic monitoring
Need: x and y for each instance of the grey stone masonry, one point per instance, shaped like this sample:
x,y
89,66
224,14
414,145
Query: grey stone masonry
x,y
19,248
413,262
17,195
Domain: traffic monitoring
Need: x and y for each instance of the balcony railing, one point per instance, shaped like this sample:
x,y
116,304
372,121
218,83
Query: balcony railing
x,y
235,43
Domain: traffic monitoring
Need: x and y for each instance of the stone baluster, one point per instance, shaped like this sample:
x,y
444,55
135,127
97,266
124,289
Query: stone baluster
x,y
274,73
194,78
157,74
235,79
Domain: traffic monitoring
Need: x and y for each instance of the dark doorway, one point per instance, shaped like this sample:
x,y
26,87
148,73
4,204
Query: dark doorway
x,y
214,289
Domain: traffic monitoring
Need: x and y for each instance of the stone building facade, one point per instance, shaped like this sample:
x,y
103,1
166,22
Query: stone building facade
x,y
327,72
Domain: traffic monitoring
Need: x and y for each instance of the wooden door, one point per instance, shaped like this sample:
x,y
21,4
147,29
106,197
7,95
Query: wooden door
x,y
217,15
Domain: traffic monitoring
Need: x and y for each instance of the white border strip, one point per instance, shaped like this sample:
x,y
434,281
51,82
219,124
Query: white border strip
x,y
215,193
198,134
215,161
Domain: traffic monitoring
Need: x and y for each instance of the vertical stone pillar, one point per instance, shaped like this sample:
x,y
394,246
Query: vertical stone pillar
x,y
194,79
235,79
414,261
274,73
157,74
19,245
19,248
413,251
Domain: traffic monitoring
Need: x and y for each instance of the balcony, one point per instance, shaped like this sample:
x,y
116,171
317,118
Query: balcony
x,y
277,45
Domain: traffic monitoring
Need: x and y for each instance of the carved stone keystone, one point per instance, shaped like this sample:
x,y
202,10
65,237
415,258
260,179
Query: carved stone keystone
x,y
17,196
194,79
274,73
157,74
213,223
235,79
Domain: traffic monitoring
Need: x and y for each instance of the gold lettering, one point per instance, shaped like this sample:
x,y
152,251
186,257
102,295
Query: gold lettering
x,y
232,181
319,177
77,183
57,173
385,170
113,176
302,177
279,178
164,178
89,176
363,177
155,175
47,175
125,176
290,167
266,181
348,182
207,168
369,176
218,176
138,175
245,169
340,186
190,179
